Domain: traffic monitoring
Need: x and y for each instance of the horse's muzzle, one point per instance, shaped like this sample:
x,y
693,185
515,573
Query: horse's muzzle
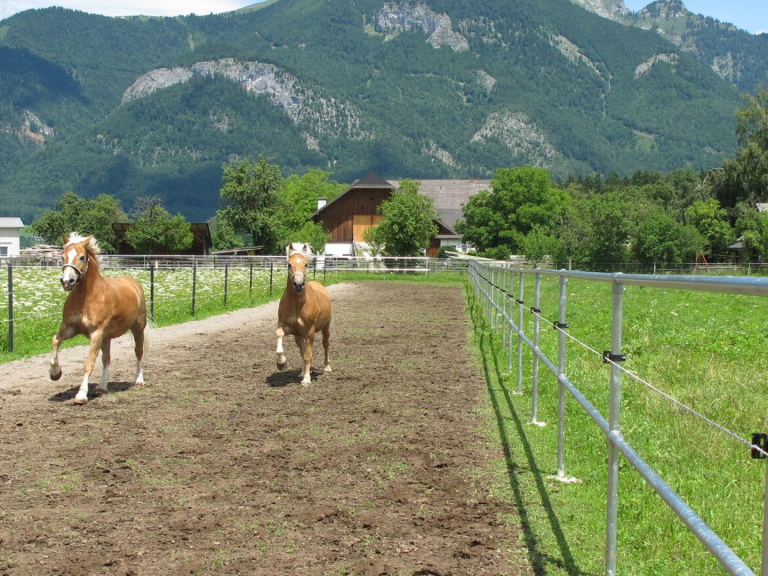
x,y
69,284
298,286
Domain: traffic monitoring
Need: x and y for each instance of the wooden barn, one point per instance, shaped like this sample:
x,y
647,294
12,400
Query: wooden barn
x,y
355,210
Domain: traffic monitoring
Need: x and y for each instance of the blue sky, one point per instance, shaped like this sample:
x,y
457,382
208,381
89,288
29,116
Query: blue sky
x,y
750,15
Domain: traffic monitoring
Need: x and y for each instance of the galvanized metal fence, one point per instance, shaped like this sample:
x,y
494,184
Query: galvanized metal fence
x,y
493,286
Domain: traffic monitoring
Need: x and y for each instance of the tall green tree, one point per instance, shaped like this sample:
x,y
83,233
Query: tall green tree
x,y
155,231
660,239
251,202
75,214
408,224
520,200
752,228
712,223
745,177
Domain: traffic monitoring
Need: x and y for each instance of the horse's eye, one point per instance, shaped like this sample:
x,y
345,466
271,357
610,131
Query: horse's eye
x,y
82,258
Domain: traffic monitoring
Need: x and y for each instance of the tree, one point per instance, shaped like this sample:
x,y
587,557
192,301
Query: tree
x,y
520,199
661,239
752,228
607,232
223,235
75,214
745,177
251,202
712,223
155,231
375,240
408,224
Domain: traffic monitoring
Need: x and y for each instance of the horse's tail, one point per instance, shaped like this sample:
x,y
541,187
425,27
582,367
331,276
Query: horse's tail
x,y
148,333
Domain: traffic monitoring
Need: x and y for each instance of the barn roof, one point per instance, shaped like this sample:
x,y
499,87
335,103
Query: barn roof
x,y
450,195
370,181
11,223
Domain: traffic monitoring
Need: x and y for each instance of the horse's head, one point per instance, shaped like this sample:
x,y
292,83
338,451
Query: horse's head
x,y
79,252
297,270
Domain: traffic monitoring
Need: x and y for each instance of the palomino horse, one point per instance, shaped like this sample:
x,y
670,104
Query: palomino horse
x,y
99,308
305,308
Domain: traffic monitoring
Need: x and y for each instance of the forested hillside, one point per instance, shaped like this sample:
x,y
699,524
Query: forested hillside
x,y
438,89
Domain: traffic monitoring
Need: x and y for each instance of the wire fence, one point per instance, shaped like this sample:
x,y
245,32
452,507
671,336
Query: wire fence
x,y
177,287
502,301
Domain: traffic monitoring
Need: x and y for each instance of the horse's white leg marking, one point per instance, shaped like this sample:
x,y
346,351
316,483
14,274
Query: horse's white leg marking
x,y
281,359
82,393
306,352
138,348
106,360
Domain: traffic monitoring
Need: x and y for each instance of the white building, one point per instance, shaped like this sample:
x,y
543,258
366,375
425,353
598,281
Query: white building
x,y
10,228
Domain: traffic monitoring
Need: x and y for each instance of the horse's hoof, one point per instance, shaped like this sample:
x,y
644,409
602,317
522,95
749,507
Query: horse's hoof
x,y
100,392
282,366
55,375
305,382
327,369
80,400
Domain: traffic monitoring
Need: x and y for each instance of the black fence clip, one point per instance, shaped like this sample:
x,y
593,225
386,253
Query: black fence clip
x,y
536,310
560,325
520,302
761,441
608,357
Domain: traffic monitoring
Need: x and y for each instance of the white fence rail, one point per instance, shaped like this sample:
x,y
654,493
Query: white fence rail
x,y
493,286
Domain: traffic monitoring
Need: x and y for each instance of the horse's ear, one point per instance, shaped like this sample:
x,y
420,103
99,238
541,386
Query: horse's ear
x,y
64,239
305,248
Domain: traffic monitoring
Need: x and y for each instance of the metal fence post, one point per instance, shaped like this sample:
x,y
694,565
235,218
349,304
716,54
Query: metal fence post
x,y
194,285
617,291
152,290
250,280
10,307
764,564
561,325
226,283
536,336
510,297
271,271
504,309
520,333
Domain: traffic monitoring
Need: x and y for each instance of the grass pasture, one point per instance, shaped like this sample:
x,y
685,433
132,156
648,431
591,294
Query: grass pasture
x,y
707,351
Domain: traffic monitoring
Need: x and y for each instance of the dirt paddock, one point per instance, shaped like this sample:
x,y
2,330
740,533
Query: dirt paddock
x,y
222,465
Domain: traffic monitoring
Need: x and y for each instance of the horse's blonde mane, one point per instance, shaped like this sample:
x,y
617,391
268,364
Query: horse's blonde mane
x,y
92,246
299,248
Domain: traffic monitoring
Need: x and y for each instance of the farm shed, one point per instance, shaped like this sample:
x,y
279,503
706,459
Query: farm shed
x,y
10,229
355,210
201,244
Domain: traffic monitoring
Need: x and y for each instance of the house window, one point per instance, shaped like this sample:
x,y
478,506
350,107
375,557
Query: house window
x,y
3,251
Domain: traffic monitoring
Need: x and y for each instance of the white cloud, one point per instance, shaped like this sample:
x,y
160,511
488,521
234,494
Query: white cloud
x,y
129,7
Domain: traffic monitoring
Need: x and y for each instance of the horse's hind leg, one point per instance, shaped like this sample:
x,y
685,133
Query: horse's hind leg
x,y
326,345
106,360
282,361
64,333
138,348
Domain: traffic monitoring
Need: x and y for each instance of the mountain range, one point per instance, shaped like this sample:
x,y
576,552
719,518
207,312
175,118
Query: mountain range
x,y
429,89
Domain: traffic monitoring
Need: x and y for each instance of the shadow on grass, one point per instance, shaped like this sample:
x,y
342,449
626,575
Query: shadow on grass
x,y
112,387
538,557
291,378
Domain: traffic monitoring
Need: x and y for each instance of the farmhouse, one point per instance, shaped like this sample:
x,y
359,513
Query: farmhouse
x,y
201,244
355,210
10,229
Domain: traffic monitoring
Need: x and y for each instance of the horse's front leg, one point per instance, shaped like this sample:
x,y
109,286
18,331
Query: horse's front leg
x,y
326,345
138,347
306,352
282,361
65,333
93,351
106,360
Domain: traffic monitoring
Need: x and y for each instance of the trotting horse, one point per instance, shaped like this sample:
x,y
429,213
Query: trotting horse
x,y
305,308
99,308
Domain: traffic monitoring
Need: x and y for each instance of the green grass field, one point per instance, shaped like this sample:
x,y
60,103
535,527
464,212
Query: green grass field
x,y
705,350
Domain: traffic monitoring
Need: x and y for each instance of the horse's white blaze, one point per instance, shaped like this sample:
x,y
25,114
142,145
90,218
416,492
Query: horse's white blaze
x,y
68,273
